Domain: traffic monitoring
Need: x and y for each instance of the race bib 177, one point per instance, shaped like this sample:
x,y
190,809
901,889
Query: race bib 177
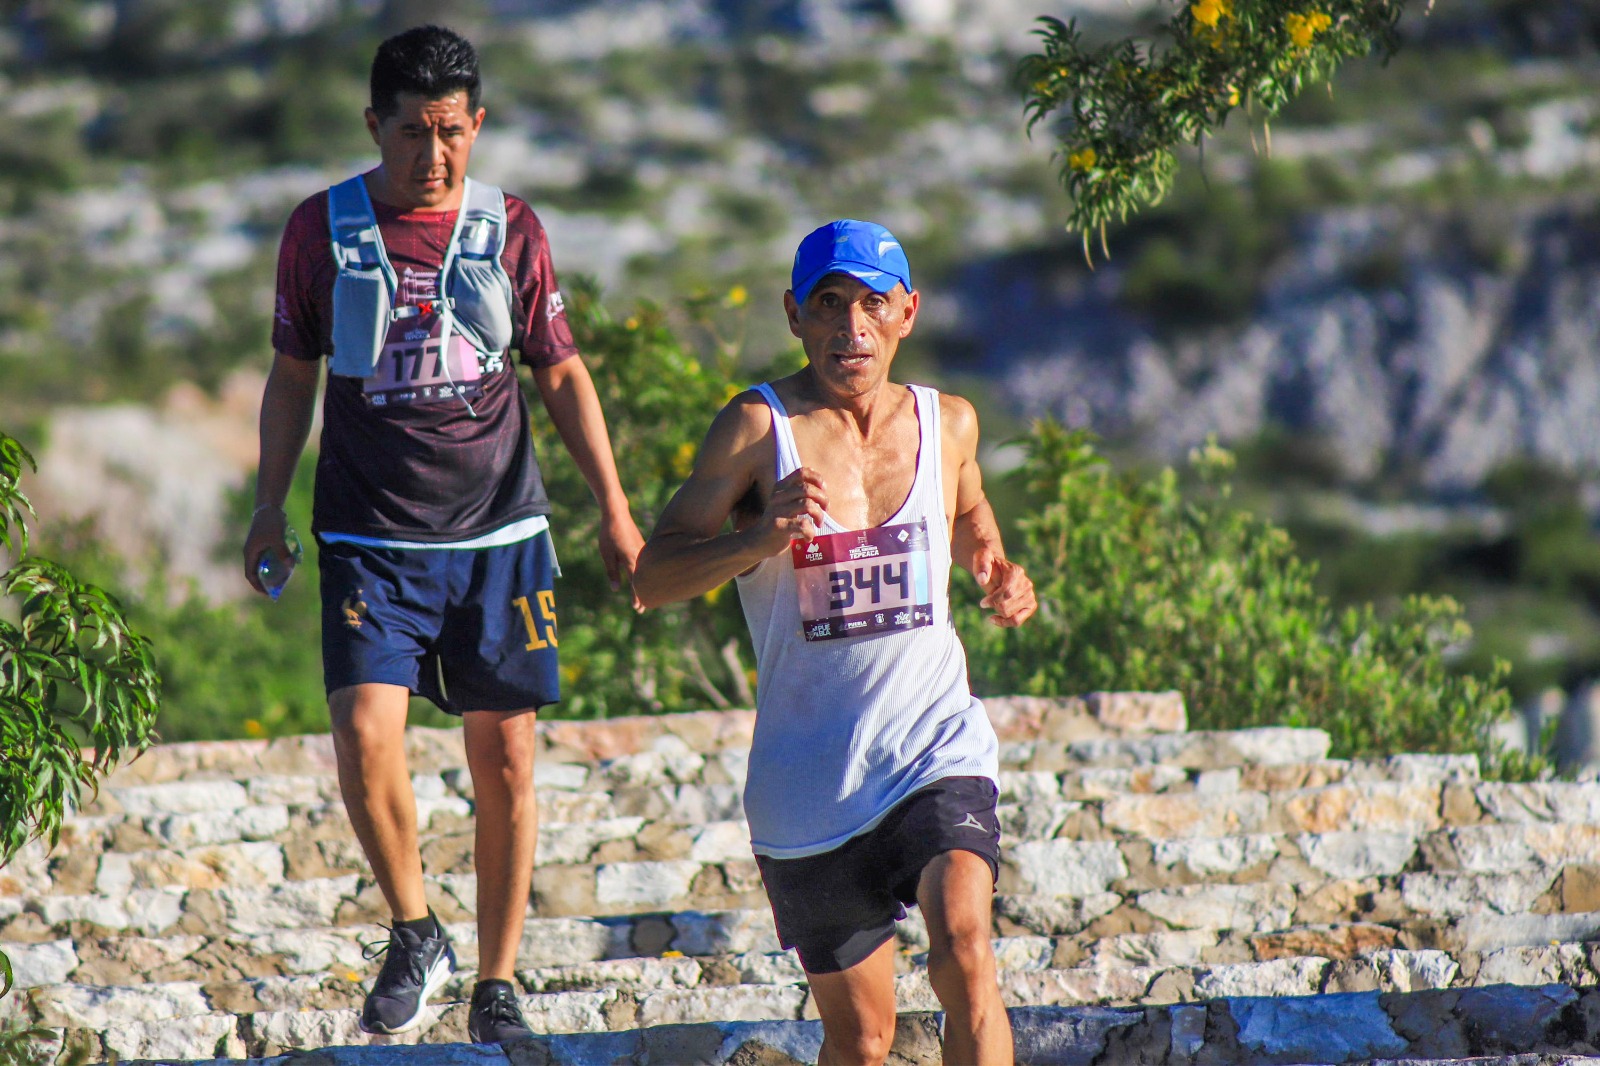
x,y
864,581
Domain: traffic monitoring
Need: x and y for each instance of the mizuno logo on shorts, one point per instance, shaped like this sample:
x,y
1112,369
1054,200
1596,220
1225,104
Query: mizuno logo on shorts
x,y
970,822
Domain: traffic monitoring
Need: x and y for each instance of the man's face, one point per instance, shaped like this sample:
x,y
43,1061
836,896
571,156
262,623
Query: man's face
x,y
850,333
424,146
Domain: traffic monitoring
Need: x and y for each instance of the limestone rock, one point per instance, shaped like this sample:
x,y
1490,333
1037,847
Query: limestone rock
x,y
1065,867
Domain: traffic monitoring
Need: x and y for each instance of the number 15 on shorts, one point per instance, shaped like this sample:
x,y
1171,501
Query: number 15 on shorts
x,y
546,620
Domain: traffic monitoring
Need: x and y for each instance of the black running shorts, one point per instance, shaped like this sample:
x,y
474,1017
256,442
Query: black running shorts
x,y
838,907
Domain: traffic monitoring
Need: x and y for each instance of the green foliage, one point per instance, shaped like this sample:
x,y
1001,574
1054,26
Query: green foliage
x,y
659,399
72,673
1128,107
1144,588
78,689
22,1044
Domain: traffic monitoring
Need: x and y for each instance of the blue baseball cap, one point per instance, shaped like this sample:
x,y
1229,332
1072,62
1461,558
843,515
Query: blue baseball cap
x,y
864,250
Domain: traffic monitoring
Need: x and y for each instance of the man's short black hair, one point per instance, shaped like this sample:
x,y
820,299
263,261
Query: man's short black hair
x,y
430,61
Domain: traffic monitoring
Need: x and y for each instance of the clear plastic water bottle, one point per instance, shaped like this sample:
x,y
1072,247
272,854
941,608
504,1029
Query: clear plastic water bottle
x,y
273,570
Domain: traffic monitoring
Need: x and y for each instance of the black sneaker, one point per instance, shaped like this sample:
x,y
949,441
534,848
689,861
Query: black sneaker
x,y
495,1016
415,968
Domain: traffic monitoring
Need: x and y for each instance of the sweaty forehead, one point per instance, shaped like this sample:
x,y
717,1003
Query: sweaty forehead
x,y
849,286
414,108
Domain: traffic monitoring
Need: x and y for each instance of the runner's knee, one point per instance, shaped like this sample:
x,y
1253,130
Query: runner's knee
x,y
864,1039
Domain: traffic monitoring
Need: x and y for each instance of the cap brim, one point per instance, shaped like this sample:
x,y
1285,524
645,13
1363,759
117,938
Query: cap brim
x,y
870,276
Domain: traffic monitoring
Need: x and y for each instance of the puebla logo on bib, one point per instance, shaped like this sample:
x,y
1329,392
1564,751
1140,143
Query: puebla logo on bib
x,y
864,581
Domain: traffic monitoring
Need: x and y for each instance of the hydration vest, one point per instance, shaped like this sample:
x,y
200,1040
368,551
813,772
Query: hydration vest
x,y
474,291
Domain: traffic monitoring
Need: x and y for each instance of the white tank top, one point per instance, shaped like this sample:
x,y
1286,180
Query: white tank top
x,y
861,691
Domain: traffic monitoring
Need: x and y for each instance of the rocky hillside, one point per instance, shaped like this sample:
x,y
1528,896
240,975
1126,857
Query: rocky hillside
x,y
1386,335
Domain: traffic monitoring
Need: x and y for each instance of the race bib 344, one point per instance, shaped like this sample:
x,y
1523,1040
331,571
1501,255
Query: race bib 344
x,y
864,581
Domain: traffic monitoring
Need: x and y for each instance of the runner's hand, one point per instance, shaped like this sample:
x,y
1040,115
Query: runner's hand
x,y
620,545
795,509
1008,590
267,530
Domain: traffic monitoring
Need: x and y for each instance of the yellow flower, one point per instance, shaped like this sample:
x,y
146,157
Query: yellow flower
x,y
683,459
351,975
254,728
713,595
729,393
737,296
631,323
1303,28
1083,159
1233,96
672,954
1208,13
571,673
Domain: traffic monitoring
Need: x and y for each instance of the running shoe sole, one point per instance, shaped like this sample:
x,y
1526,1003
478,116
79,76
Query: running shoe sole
x,y
437,976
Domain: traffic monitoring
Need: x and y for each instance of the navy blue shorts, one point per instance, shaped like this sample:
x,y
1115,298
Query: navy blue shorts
x,y
472,629
838,907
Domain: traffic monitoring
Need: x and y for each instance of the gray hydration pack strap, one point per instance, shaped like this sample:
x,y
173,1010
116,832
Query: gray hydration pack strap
x,y
475,293
363,292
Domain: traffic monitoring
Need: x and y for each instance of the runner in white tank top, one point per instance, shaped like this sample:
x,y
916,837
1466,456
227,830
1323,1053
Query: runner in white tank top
x,y
870,784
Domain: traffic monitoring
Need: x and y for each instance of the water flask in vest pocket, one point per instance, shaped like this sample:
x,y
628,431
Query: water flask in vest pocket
x,y
361,307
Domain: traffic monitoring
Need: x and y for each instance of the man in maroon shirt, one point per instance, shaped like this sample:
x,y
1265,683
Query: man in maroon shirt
x,y
436,563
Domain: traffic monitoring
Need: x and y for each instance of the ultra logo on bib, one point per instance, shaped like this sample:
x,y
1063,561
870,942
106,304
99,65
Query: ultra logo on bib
x,y
864,581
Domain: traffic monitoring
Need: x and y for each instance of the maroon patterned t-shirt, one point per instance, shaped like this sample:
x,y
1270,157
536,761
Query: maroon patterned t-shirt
x,y
403,456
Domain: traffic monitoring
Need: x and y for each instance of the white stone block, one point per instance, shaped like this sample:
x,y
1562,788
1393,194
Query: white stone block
x,y
633,974
1028,786
1414,971
733,1003
47,963
1352,856
557,941
563,776
1459,895
769,968
291,905
147,911
101,1007
1185,947
1300,976
575,842
181,797
1209,856
261,822
1247,908
313,951
567,1012
203,1036
1066,867
650,884
294,790
724,932
727,841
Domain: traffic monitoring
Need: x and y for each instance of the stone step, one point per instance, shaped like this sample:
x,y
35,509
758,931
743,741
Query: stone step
x,y
689,788
1505,826
762,986
254,886
1073,932
1027,719
1497,1025
1125,969
249,888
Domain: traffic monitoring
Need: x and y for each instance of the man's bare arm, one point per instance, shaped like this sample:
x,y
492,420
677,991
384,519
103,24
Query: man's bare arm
x,y
288,404
690,553
569,395
975,542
